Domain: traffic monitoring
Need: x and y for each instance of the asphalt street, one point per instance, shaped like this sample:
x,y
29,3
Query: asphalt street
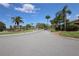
x,y
38,43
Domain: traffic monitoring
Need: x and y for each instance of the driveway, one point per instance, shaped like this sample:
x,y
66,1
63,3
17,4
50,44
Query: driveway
x,y
39,43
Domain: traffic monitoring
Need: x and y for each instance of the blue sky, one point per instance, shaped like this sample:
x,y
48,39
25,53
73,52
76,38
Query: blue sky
x,y
33,13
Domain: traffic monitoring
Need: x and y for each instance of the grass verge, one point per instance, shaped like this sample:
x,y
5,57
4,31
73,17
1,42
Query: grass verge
x,y
74,34
5,33
53,30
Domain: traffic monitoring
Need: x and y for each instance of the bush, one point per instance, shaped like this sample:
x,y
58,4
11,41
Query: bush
x,y
69,27
72,27
52,30
2,26
42,26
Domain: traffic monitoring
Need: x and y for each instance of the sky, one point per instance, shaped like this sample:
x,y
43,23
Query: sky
x,y
34,12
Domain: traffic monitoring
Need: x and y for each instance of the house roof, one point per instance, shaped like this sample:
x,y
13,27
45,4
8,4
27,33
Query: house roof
x,y
76,21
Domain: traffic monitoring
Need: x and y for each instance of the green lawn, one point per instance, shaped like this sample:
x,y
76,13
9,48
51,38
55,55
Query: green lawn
x,y
3,33
74,34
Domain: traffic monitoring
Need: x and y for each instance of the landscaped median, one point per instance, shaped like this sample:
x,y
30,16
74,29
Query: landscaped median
x,y
74,34
14,33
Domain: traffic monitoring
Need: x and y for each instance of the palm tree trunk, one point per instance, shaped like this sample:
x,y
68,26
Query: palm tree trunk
x,y
64,18
47,21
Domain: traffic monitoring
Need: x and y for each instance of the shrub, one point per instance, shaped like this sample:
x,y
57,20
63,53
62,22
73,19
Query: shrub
x,y
72,27
2,26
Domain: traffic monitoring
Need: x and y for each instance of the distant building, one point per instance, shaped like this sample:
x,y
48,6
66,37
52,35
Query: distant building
x,y
76,21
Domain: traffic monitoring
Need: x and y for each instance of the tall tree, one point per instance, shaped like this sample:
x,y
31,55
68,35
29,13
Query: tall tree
x,y
28,26
65,11
63,14
11,27
54,23
2,26
47,17
17,20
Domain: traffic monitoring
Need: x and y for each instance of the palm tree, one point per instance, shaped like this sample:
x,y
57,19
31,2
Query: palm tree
x,y
47,17
54,22
63,14
57,21
17,20
11,27
65,11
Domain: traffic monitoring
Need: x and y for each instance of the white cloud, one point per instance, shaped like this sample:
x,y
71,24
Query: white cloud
x,y
5,4
77,16
27,8
68,16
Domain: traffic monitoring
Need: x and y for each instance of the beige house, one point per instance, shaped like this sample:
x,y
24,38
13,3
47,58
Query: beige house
x,y
76,21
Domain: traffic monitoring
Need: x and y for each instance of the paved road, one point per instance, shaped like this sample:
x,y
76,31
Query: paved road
x,y
39,43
